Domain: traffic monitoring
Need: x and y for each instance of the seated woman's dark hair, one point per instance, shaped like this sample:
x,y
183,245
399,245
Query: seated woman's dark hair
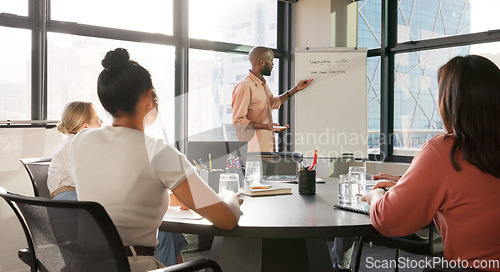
x,y
121,83
469,103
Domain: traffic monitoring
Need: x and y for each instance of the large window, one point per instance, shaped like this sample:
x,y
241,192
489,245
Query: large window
x,y
79,33
154,16
213,77
369,23
428,33
17,7
75,63
15,83
236,21
416,115
428,19
373,101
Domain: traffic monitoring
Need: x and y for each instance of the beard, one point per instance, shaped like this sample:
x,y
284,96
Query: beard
x,y
267,70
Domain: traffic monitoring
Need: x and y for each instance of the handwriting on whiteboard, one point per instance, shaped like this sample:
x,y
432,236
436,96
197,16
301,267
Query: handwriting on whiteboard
x,y
321,63
326,61
328,72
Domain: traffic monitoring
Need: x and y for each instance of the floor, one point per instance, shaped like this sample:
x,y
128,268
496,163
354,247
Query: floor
x,y
374,258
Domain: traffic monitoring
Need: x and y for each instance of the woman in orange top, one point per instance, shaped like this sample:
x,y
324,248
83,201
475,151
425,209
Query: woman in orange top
x,y
455,178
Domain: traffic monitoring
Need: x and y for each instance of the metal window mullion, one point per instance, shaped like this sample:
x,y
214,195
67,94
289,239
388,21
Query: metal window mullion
x,y
38,11
181,38
109,33
388,39
217,46
447,42
16,21
284,47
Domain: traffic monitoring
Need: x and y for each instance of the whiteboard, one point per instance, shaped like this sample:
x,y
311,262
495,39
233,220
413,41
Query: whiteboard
x,y
331,114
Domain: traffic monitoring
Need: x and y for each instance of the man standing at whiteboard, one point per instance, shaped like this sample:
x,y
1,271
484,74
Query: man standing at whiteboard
x,y
252,102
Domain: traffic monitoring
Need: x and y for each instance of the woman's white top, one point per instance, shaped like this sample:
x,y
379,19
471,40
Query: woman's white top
x,y
128,173
59,170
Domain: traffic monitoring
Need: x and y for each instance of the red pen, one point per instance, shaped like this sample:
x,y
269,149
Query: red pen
x,y
315,160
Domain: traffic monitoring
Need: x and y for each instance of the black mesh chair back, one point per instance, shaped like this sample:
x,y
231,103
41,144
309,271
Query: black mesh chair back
x,y
277,163
68,235
433,246
37,169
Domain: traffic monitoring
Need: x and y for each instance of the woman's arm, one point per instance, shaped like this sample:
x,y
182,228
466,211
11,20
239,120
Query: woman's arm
x,y
414,200
196,195
386,176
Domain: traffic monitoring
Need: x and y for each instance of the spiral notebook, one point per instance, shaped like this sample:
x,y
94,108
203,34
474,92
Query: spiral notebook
x,y
357,207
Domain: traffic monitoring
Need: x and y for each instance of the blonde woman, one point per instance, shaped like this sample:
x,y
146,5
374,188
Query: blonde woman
x,y
76,116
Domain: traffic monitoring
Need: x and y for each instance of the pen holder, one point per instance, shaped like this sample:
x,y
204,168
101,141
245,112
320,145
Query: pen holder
x,y
212,178
307,182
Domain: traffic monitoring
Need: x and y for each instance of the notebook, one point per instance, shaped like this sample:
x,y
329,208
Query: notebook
x,y
362,207
266,192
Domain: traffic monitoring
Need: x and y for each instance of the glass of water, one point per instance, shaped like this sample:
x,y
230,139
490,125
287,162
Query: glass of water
x,y
229,182
348,190
359,174
252,173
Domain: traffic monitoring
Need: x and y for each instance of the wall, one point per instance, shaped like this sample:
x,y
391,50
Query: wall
x,y
17,144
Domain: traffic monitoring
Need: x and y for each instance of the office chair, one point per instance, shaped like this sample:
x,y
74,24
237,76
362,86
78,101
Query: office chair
x,y
37,169
277,163
411,244
75,236
67,235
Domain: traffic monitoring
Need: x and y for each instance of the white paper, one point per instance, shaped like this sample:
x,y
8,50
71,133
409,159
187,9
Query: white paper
x,y
175,212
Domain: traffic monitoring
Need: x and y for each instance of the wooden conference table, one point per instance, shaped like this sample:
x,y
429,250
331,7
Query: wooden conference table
x,y
280,233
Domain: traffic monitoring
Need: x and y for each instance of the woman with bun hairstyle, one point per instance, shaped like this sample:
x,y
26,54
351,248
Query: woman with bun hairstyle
x,y
455,178
76,116
130,173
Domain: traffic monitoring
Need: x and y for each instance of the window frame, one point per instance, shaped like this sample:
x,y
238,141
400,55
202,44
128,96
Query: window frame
x,y
40,23
387,52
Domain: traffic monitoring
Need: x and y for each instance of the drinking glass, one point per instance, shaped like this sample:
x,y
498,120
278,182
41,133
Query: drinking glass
x,y
359,173
348,190
229,182
252,173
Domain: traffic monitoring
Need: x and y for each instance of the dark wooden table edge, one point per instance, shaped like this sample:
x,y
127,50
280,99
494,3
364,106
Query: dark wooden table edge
x,y
272,232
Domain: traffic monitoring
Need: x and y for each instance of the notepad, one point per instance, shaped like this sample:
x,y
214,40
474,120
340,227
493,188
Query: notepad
x,y
358,207
267,192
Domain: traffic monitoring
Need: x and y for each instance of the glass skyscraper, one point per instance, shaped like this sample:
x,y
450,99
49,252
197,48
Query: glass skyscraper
x,y
416,114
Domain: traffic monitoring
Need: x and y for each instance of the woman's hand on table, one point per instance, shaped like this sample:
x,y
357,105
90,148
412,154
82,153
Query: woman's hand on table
x,y
380,188
227,195
373,196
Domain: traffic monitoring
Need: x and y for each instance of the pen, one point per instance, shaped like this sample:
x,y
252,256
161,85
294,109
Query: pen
x,y
261,187
315,160
202,164
210,160
197,166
